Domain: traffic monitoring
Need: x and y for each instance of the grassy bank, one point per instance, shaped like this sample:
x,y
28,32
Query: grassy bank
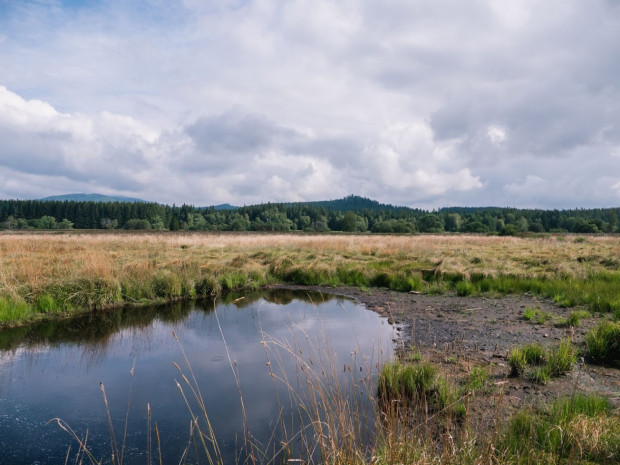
x,y
46,274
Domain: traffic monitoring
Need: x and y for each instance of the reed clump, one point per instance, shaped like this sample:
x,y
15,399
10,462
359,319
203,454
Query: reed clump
x,y
603,344
543,364
576,429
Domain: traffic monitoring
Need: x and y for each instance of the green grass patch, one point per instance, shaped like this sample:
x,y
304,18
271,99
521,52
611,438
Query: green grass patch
x,y
577,429
12,310
97,293
477,379
167,285
549,363
603,344
47,304
399,380
520,357
561,358
598,291
539,375
411,384
536,315
573,320
464,288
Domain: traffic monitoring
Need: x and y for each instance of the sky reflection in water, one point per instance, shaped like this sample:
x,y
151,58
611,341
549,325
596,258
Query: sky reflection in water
x,y
54,370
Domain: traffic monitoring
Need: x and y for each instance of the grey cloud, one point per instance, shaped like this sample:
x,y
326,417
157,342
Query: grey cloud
x,y
223,141
47,154
37,153
235,132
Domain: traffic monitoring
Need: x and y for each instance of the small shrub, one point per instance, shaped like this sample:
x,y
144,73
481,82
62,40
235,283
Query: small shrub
x,y
603,343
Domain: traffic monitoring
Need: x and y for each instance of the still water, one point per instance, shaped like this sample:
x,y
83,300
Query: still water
x,y
259,351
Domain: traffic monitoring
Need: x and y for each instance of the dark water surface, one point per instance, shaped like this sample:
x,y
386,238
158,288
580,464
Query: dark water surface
x,y
54,370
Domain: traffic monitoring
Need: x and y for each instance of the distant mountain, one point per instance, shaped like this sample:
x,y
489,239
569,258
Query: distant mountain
x,y
92,198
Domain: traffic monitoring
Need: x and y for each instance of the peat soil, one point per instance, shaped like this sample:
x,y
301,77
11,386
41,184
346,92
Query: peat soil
x,y
460,333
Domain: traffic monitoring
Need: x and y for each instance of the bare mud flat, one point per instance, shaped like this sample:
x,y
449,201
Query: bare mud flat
x,y
460,333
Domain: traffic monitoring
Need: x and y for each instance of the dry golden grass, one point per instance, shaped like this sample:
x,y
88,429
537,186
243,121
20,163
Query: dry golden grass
x,y
44,258
32,265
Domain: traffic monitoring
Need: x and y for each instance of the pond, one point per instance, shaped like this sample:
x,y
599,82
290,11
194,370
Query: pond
x,y
256,361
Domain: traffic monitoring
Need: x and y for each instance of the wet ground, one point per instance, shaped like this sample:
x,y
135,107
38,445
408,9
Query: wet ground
x,y
462,332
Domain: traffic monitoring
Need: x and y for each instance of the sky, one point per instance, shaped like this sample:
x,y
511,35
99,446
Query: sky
x,y
424,103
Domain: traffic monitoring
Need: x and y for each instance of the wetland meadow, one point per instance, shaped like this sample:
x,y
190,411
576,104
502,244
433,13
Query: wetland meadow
x,y
505,348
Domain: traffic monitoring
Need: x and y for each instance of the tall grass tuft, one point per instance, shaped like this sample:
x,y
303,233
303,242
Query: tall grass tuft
x,y
603,343
529,354
13,310
561,358
547,363
576,429
405,381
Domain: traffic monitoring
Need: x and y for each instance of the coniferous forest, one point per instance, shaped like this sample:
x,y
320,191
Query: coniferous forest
x,y
350,214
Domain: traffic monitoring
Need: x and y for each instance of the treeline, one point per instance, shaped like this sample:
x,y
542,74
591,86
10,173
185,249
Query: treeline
x,y
351,214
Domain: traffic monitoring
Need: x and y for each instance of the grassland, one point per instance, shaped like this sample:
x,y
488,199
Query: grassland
x,y
46,274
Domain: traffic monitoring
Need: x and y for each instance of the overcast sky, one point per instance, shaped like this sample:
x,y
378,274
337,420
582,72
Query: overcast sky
x,y
425,103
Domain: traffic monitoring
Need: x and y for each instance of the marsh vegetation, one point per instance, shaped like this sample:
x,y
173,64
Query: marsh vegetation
x,y
42,275
434,405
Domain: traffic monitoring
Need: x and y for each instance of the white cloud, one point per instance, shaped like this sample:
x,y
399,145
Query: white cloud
x,y
415,102
496,134
108,150
409,162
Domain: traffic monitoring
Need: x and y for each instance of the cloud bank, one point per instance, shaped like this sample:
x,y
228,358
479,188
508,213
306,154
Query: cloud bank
x,y
414,102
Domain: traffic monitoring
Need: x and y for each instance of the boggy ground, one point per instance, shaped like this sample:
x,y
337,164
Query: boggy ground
x,y
459,333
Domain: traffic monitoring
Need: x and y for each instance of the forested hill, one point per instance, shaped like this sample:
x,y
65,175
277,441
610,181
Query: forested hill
x,y
351,214
349,203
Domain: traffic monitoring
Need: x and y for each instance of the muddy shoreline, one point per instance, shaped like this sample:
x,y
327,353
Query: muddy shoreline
x,y
462,332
